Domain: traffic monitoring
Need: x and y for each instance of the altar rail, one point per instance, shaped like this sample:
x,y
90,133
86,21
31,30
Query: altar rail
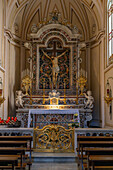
x,y
78,131
92,132
15,131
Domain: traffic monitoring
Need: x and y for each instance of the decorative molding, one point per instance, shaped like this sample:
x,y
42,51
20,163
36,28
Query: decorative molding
x,y
108,68
92,5
100,34
8,34
11,37
55,30
17,4
2,69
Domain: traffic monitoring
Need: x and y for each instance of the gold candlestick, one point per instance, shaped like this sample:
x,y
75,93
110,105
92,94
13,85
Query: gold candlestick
x,y
31,96
64,92
44,92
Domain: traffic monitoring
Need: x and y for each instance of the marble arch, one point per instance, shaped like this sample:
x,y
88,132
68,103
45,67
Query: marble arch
x,y
41,39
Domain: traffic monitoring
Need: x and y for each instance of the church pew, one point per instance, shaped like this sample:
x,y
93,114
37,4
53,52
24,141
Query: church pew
x,y
16,143
13,151
96,151
94,138
13,143
8,159
100,161
19,138
83,144
87,141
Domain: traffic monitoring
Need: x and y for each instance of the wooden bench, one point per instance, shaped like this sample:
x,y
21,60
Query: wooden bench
x,y
91,142
13,151
7,159
99,161
13,143
94,138
16,142
19,138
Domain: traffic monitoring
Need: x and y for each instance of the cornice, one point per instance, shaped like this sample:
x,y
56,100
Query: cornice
x,y
8,34
11,37
100,35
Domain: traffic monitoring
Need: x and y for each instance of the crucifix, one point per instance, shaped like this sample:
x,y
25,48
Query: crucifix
x,y
54,59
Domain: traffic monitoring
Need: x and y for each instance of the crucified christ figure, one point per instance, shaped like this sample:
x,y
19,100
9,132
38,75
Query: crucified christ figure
x,y
55,67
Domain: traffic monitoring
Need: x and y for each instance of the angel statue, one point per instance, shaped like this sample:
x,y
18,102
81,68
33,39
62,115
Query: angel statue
x,y
55,66
19,98
88,100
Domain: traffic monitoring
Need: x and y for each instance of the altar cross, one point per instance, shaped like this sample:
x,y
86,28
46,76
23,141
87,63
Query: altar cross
x,y
54,50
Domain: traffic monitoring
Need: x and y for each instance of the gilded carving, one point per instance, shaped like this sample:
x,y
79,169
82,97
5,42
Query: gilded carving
x,y
54,138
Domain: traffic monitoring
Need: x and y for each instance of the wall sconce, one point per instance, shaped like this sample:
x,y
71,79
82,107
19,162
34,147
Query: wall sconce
x,y
2,99
108,93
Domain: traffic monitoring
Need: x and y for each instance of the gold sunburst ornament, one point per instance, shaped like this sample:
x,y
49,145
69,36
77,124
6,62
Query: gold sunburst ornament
x,y
82,82
26,83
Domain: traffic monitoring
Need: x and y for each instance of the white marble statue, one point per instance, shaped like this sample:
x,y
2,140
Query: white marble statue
x,y
88,100
19,98
54,93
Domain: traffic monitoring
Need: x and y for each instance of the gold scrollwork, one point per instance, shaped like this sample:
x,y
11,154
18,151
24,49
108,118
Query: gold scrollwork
x,y
53,138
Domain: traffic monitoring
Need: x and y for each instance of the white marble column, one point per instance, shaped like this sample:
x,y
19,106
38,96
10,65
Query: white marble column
x,y
88,65
22,61
6,83
102,47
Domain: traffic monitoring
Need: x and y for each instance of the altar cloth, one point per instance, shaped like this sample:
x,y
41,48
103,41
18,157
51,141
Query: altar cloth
x,y
50,111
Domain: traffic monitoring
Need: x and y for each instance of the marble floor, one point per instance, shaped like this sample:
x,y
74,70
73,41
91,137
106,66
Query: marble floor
x,y
54,161
54,166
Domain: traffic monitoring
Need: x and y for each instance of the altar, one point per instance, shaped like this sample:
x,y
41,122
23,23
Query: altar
x,y
51,116
54,85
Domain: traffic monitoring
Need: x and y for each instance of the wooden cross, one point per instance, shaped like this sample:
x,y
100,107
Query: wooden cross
x,y
54,50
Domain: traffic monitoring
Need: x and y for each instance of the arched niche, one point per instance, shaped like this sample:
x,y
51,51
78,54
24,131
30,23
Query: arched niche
x,y
69,40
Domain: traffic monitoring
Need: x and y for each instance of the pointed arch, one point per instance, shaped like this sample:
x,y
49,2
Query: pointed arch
x,y
110,30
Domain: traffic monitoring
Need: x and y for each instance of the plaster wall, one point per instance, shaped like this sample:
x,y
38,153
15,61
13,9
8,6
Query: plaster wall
x,y
95,86
2,52
108,118
14,77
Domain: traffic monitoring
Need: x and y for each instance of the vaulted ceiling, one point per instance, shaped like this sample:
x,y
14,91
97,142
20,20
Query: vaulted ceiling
x,y
86,15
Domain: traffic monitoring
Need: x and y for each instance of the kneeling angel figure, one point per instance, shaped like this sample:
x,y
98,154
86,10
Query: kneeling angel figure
x,y
89,100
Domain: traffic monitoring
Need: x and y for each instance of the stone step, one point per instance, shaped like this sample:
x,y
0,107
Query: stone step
x,y
53,157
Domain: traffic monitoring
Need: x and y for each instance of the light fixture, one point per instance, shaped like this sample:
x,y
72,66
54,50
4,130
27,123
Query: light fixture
x,y
2,99
108,93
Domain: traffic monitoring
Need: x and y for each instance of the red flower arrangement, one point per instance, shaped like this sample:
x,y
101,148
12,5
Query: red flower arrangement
x,y
9,121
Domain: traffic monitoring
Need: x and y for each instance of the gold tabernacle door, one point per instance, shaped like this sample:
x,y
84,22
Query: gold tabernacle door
x,y
53,138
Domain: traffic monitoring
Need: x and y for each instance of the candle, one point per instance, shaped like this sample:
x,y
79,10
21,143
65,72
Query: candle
x,y
15,119
107,91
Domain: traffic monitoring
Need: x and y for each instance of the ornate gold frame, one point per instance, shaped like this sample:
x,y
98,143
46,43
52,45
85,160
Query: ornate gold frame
x,y
53,138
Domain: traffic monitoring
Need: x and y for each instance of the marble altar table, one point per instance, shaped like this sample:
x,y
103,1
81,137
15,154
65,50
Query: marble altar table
x,y
51,112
